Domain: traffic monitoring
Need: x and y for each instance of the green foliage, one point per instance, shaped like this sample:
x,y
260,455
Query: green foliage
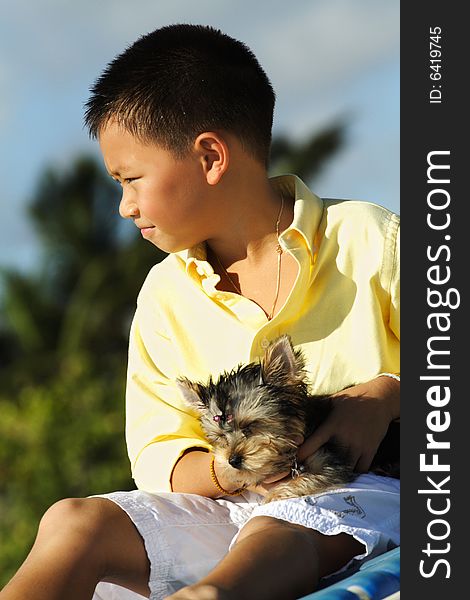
x,y
306,158
63,352
61,439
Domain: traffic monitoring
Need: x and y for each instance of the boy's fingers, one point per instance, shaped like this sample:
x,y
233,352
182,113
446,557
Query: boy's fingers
x,y
313,443
363,464
276,478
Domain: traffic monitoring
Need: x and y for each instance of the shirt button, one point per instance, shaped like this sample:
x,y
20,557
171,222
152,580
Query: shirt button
x,y
264,343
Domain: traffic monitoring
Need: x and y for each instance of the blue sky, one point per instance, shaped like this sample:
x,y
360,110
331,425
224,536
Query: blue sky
x,y
325,58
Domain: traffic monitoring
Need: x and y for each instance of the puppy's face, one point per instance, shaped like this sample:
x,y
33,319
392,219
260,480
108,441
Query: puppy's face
x,y
254,416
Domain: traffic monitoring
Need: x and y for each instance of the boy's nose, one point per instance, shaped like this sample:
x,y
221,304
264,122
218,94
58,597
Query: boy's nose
x,y
128,209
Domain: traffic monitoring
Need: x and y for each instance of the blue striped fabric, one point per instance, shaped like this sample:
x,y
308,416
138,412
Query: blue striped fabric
x,y
376,579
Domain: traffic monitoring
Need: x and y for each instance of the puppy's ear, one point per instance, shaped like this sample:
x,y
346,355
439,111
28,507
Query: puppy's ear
x,y
192,393
281,363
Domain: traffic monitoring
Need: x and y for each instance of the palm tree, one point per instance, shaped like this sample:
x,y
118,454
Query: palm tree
x,y
306,158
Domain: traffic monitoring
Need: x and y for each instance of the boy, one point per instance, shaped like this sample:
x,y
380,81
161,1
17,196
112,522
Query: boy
x,y
183,118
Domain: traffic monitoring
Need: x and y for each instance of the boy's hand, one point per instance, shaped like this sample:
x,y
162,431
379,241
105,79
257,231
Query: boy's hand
x,y
269,484
359,421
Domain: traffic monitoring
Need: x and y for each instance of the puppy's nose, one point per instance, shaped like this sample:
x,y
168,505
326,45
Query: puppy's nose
x,y
235,461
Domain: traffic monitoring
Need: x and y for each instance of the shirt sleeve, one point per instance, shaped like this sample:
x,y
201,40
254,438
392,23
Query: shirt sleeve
x,y
395,281
390,275
159,425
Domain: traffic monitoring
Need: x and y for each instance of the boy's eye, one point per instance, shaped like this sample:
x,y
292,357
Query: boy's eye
x,y
125,180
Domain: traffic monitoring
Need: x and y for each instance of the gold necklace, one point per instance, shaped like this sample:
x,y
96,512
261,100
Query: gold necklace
x,y
279,252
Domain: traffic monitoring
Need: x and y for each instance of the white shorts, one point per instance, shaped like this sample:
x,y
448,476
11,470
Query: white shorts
x,y
186,535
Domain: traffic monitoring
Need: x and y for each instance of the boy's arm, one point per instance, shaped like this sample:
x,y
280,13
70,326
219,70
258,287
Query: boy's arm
x,y
192,475
372,405
166,445
160,428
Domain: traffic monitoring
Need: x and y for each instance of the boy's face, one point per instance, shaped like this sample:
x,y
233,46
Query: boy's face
x,y
166,197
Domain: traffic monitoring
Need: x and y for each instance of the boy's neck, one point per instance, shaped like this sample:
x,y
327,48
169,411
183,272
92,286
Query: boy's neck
x,y
250,209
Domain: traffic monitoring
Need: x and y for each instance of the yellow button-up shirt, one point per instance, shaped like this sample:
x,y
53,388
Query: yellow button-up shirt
x,y
343,311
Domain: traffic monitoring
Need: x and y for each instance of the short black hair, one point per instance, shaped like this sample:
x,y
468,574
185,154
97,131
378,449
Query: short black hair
x,y
181,80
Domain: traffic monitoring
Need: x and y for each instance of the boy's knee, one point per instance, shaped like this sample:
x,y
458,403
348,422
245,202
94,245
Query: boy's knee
x,y
97,534
260,523
270,524
86,517
328,552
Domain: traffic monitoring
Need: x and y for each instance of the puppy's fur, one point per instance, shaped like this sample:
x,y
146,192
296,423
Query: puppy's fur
x,y
256,415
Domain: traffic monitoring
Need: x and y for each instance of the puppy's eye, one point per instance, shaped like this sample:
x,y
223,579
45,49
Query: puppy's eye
x,y
222,440
249,428
217,438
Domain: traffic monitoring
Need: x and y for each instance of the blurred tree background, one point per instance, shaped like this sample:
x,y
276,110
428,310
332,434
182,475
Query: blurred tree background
x,y
63,342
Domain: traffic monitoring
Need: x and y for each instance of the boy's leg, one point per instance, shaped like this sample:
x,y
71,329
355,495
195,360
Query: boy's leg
x,y
79,543
273,559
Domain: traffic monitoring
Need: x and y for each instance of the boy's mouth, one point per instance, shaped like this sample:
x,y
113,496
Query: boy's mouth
x,y
146,230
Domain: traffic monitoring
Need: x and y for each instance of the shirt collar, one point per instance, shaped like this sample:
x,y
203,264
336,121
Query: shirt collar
x,y
308,210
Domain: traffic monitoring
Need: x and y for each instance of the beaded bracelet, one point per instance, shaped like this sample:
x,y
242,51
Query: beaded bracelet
x,y
391,375
217,484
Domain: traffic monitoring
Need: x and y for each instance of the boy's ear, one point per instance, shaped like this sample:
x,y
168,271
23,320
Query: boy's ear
x,y
214,153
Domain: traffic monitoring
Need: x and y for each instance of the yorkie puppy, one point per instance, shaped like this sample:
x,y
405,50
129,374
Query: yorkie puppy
x,y
256,416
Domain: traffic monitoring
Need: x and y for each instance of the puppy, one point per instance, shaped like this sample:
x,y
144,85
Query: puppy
x,y
255,417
